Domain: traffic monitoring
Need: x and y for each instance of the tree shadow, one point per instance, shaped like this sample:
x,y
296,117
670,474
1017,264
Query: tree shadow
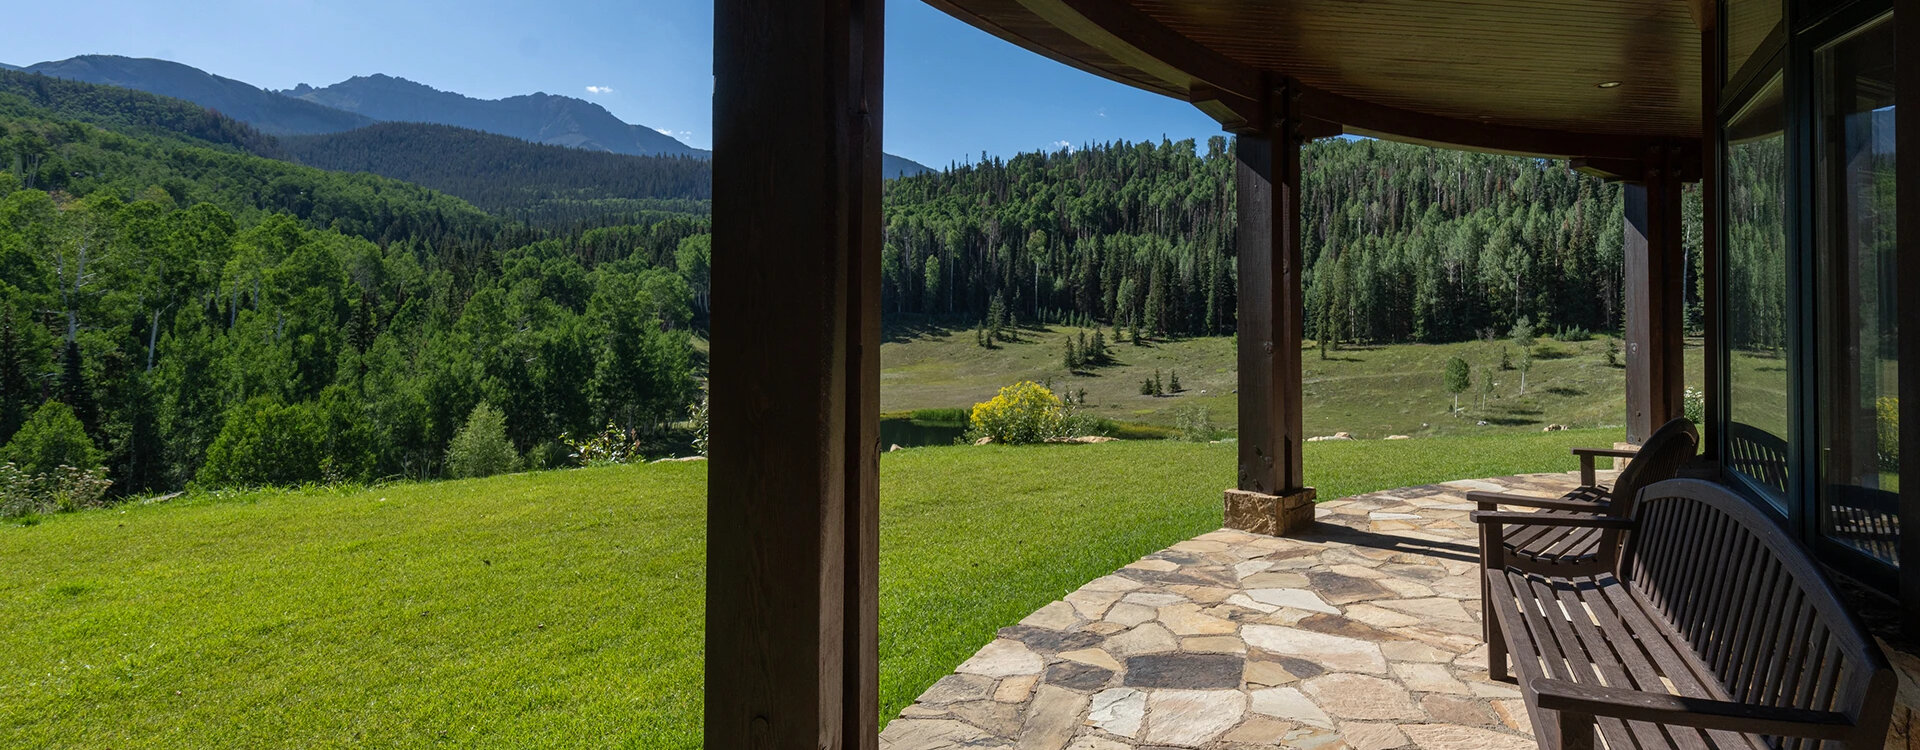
x,y
1509,421
900,329
1561,390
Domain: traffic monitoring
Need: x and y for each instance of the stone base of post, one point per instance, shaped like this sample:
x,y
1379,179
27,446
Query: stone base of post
x,y
1273,515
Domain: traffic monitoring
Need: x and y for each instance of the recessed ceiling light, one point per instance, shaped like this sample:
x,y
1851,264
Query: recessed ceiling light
x,y
1610,85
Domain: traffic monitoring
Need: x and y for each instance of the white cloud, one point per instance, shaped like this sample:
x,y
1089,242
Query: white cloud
x,y
1057,145
664,131
1102,112
599,89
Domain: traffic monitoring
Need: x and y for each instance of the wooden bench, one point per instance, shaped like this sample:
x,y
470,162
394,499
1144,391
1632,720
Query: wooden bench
x,y
1711,629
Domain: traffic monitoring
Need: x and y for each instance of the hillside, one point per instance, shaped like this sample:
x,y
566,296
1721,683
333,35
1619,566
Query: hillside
x,y
243,320
270,112
509,175
564,609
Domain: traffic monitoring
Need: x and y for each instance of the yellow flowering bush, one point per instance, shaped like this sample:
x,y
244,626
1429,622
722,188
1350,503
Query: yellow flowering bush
x,y
1025,412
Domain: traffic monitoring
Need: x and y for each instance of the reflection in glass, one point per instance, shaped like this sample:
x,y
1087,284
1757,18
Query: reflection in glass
x,y
1857,349
1756,300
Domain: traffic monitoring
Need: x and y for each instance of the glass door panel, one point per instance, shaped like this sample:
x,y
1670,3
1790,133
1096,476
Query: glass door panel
x,y
1756,310
1856,349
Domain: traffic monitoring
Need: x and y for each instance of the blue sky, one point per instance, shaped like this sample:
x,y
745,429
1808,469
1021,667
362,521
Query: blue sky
x,y
952,91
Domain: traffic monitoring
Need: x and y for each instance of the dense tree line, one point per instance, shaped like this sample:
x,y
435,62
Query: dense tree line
x,y
509,176
1401,242
216,316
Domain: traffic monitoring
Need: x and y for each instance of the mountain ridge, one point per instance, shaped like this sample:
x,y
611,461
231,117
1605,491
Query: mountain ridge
x,y
360,101
540,117
271,113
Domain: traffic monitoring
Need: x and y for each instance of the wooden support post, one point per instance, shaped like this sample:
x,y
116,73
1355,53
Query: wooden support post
x,y
1711,258
1271,497
792,521
1656,279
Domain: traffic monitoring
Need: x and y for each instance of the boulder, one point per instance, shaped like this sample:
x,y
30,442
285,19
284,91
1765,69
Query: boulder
x,y
1554,428
895,447
983,441
1083,439
1399,437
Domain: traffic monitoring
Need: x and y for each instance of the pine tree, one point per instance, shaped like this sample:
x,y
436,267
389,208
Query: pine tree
x,y
1173,382
74,391
1099,354
16,390
1158,389
1072,360
1146,387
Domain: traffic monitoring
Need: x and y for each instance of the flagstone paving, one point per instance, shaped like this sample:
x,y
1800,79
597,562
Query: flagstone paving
x,y
1362,633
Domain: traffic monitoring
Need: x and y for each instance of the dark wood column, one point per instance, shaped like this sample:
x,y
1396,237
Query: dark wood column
x,y
1271,496
792,506
1656,282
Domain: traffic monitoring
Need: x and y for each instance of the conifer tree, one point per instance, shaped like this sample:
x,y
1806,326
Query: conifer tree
x,y
1173,382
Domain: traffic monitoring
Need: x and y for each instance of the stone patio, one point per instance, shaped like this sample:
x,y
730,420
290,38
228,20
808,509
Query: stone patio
x,y
1362,633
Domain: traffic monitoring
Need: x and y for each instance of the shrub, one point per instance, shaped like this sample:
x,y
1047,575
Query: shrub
x,y
1693,406
51,438
267,442
1193,424
481,447
700,426
1024,412
1573,334
953,417
62,489
612,446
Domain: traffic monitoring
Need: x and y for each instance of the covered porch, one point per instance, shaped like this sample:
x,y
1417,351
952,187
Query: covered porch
x,y
1639,92
1362,632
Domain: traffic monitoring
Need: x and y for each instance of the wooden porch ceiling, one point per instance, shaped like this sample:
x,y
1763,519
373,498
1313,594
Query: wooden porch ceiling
x,y
1516,76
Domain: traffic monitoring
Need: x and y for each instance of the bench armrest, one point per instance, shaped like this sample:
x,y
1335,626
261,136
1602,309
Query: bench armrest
x,y
1489,501
1513,518
1587,455
1703,713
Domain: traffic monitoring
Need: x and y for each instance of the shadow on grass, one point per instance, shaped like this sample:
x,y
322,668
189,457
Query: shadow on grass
x,y
1510,421
1561,390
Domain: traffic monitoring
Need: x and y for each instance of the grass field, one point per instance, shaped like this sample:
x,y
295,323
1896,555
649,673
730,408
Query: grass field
x,y
562,609
1370,392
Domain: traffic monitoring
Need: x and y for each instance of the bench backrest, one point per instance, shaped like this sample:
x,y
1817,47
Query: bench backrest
x,y
1659,460
1765,622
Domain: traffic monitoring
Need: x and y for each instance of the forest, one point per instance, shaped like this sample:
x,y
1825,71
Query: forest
x,y
209,308
1401,242
211,316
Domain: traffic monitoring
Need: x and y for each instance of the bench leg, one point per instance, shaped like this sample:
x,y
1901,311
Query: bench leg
x,y
1492,537
1576,731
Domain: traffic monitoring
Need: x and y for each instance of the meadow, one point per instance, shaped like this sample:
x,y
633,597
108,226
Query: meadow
x,y
1370,392
563,608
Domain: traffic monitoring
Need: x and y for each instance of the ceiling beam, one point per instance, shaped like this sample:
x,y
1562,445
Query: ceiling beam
x,y
1392,123
1222,88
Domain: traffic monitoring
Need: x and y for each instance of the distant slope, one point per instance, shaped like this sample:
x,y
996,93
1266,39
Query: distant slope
x,y
899,166
135,112
503,174
540,118
107,139
271,113
4,66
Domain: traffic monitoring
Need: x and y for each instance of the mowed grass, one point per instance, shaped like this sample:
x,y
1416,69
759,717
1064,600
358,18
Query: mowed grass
x,y
563,609
1370,392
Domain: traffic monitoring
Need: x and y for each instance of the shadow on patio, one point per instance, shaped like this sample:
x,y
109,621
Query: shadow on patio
x,y
1364,632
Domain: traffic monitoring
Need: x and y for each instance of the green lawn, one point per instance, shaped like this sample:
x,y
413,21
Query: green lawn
x,y
562,609
1371,392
